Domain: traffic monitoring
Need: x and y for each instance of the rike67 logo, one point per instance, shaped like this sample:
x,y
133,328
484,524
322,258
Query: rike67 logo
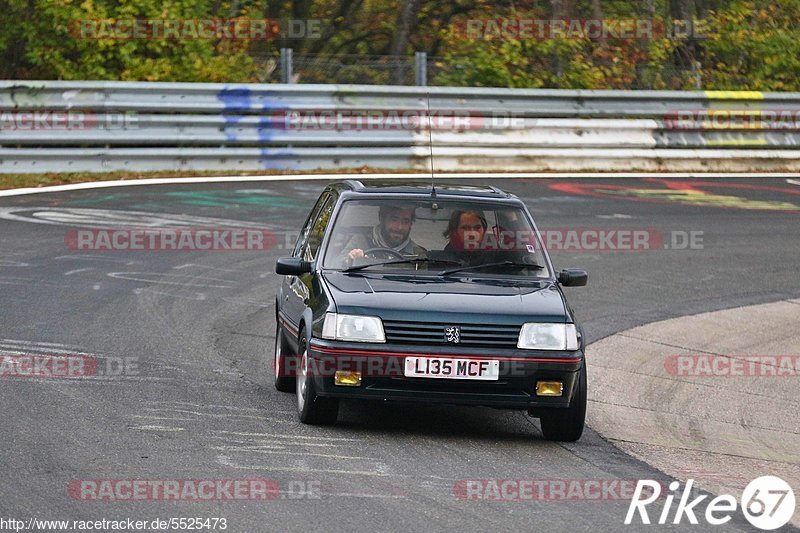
x,y
768,503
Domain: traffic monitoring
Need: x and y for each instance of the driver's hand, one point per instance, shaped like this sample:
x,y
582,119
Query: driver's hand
x,y
355,253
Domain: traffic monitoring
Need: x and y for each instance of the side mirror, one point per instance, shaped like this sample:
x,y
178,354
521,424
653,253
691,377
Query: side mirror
x,y
292,266
572,277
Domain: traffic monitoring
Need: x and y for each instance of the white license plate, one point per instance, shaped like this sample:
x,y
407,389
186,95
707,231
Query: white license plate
x,y
446,367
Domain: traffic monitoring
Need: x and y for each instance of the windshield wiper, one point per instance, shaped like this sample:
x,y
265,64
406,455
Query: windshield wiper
x,y
514,264
402,261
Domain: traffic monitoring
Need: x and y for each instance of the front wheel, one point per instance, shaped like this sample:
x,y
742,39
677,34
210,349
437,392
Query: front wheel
x,y
311,408
567,424
282,362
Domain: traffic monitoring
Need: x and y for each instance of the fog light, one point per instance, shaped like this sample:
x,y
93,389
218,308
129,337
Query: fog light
x,y
549,388
347,378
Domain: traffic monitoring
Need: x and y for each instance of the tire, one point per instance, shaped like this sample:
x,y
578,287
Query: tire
x,y
284,381
566,425
311,408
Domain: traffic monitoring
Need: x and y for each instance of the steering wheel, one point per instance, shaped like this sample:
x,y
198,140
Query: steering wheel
x,y
388,251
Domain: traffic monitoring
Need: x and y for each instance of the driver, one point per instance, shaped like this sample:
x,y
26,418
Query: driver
x,y
391,232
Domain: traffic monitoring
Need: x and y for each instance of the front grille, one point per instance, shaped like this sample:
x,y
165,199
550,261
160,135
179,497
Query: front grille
x,y
476,335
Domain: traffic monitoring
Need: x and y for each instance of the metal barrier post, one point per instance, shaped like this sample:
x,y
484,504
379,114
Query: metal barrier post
x,y
421,64
286,65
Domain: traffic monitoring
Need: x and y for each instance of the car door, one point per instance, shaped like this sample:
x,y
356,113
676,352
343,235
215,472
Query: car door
x,y
295,290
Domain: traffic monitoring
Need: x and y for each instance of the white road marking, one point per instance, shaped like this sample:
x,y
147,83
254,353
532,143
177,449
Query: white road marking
x,y
615,215
75,217
172,419
285,436
247,443
213,406
793,182
49,347
155,428
248,448
37,343
247,302
230,464
11,280
158,278
361,495
34,350
402,177
71,272
7,280
96,257
214,415
227,461
9,263
109,380
199,297
187,265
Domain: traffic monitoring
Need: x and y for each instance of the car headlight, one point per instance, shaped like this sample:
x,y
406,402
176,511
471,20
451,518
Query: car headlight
x,y
535,336
355,328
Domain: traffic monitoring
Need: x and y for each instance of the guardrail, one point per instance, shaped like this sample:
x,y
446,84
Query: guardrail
x,y
55,126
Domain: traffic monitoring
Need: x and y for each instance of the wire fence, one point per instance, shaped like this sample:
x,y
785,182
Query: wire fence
x,y
426,70
356,69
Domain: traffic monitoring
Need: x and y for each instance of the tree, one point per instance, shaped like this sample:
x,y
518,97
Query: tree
x,y
754,46
67,40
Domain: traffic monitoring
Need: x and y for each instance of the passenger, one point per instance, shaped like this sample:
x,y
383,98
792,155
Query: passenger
x,y
465,231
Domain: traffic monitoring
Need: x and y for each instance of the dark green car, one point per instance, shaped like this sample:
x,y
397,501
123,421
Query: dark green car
x,y
418,293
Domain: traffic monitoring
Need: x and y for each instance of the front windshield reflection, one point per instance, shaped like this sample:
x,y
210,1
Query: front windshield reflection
x,y
397,236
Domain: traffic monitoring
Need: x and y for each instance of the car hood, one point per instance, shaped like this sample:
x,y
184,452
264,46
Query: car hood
x,y
437,299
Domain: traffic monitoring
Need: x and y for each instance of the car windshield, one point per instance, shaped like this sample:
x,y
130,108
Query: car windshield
x,y
441,237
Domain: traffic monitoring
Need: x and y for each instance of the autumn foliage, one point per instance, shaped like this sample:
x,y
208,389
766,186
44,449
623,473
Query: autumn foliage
x,y
690,44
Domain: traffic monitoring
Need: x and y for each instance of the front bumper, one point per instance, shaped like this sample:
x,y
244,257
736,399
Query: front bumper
x,y
381,367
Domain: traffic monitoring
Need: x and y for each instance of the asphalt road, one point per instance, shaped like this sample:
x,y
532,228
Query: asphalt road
x,y
193,334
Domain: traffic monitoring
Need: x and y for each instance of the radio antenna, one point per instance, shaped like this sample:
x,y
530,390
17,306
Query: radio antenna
x,y
430,140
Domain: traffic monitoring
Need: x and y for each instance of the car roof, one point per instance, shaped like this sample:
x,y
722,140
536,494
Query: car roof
x,y
419,188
